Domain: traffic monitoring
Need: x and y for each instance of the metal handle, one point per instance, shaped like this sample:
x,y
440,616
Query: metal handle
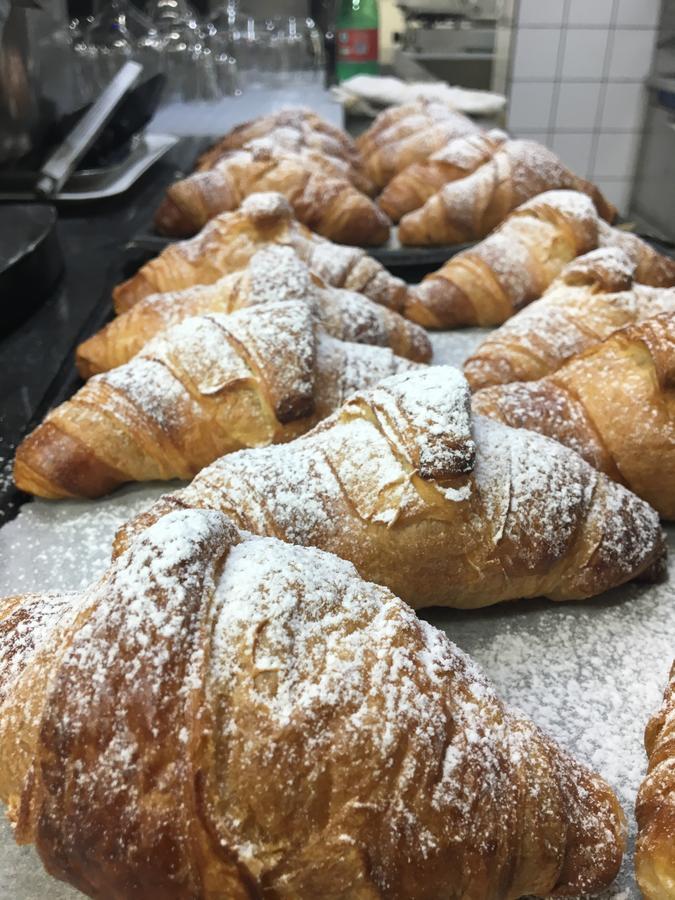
x,y
61,163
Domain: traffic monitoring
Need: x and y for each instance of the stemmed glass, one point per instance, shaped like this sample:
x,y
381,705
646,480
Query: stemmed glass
x,y
220,41
185,58
107,41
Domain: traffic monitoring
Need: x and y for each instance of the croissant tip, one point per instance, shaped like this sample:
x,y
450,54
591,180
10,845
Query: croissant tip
x,y
172,220
657,571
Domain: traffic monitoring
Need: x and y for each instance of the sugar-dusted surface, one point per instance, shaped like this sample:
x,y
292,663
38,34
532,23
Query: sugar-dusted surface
x,y
589,673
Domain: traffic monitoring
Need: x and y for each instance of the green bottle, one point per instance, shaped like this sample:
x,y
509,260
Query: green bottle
x,y
356,38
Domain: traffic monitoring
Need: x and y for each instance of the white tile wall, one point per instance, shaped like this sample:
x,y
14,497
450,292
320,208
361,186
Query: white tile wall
x,y
631,55
589,12
578,105
623,105
584,54
541,12
615,156
530,106
575,149
644,13
577,83
536,53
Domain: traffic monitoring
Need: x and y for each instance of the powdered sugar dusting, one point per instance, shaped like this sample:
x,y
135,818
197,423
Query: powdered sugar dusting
x,y
266,204
357,366
567,320
308,666
151,387
276,273
333,262
574,204
526,506
510,260
428,411
612,260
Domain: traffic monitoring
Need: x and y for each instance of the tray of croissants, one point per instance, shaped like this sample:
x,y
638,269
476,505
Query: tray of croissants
x,y
335,586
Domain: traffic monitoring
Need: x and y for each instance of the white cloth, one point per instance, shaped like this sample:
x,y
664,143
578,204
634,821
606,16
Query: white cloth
x,y
363,92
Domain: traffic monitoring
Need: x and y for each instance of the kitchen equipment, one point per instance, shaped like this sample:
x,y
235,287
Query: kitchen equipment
x,y
55,171
447,40
30,260
653,199
105,139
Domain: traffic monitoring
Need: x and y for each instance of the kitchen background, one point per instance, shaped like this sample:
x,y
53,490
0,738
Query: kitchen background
x,y
592,79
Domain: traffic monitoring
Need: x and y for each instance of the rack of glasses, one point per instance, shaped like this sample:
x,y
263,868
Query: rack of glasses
x,y
203,58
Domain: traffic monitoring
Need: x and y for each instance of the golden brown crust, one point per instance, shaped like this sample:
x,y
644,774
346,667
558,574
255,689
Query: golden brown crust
x,y
614,404
412,187
231,717
486,284
208,386
468,209
655,807
396,122
274,273
403,135
314,131
321,196
530,518
228,242
594,297
54,464
413,141
651,267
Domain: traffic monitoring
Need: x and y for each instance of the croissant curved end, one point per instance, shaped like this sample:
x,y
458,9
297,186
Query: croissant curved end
x,y
172,219
438,303
52,464
131,291
656,876
370,228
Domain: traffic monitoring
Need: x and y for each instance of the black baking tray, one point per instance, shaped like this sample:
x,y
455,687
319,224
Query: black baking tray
x,y
67,379
31,261
392,255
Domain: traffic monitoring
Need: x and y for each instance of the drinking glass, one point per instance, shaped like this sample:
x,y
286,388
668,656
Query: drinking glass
x,y
178,38
276,51
220,31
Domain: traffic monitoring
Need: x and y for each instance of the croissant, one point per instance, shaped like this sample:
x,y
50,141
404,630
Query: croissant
x,y
594,297
291,140
398,122
613,404
229,241
441,509
274,273
655,807
426,135
651,267
486,284
412,187
208,386
304,142
314,131
468,209
222,716
320,194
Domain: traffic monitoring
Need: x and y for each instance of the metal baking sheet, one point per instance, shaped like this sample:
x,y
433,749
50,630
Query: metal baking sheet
x,y
589,673
67,380
393,254
103,183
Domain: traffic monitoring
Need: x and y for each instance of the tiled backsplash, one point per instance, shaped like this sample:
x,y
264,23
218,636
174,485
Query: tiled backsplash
x,y
577,83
